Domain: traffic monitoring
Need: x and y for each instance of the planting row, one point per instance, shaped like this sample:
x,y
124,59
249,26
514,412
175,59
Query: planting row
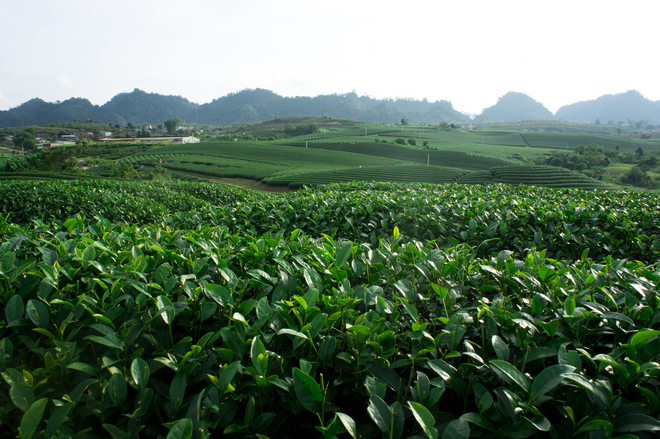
x,y
153,331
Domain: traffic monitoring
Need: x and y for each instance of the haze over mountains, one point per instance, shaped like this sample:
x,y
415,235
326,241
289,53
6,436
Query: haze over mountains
x,y
254,105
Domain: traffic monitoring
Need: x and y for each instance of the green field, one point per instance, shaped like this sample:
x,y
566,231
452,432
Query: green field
x,y
297,162
363,310
345,151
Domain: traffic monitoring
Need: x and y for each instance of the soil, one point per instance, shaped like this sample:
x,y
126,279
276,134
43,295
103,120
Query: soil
x,y
244,183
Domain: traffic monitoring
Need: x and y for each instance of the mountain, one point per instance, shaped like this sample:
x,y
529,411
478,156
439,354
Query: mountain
x,y
515,106
38,112
246,106
619,107
141,108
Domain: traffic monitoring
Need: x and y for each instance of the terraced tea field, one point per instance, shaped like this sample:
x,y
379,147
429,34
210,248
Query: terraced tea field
x,y
350,151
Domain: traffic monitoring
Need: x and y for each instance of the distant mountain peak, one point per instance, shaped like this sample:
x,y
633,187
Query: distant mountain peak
x,y
613,108
515,106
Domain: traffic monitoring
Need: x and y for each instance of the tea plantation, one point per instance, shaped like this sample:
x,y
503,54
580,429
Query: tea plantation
x,y
363,310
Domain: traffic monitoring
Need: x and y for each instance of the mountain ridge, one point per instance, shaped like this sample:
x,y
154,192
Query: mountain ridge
x,y
253,105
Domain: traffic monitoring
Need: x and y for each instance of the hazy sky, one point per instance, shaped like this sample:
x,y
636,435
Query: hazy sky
x,y
468,52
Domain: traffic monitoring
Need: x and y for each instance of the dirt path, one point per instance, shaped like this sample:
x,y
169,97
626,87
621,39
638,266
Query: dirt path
x,y
244,183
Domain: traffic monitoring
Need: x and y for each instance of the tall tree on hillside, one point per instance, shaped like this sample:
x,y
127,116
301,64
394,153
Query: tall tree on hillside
x,y
25,139
171,126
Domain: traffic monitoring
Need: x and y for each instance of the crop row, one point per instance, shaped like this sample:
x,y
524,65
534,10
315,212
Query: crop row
x,y
546,176
490,217
400,173
453,159
561,141
148,330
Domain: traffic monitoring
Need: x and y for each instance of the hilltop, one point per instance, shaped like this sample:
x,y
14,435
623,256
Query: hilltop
x,y
515,106
255,105
246,106
611,109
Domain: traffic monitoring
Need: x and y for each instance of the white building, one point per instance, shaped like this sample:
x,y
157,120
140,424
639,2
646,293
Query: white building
x,y
189,139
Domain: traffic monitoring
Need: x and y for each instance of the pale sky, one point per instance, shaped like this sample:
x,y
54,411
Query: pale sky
x,y
468,52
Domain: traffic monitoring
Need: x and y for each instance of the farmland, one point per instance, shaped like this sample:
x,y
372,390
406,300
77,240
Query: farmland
x,y
181,309
348,151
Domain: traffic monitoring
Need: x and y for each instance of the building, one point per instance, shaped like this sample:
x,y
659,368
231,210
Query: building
x,y
189,139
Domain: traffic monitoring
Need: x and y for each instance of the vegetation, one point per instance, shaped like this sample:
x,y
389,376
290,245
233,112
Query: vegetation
x,y
366,310
614,110
25,139
171,125
305,151
515,106
247,106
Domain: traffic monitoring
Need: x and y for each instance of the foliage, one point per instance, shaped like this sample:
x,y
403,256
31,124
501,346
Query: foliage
x,y
581,158
638,177
25,139
621,107
47,160
171,125
333,310
300,130
514,106
160,173
125,170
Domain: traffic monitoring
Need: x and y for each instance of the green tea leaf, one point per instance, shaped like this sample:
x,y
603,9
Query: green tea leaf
x,y
380,413
31,418
21,396
327,349
386,375
307,390
500,347
292,332
459,428
107,341
14,309
595,425
82,367
183,429
56,419
549,378
164,304
257,348
117,389
633,422
343,253
348,423
485,402
227,375
427,422
140,373
510,371
642,336
178,389
38,312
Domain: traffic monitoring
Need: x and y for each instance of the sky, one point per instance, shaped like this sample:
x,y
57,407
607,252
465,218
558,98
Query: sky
x,y
468,52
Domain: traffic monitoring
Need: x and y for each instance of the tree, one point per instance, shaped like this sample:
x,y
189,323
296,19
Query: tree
x,y
400,141
25,139
637,177
404,121
171,126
